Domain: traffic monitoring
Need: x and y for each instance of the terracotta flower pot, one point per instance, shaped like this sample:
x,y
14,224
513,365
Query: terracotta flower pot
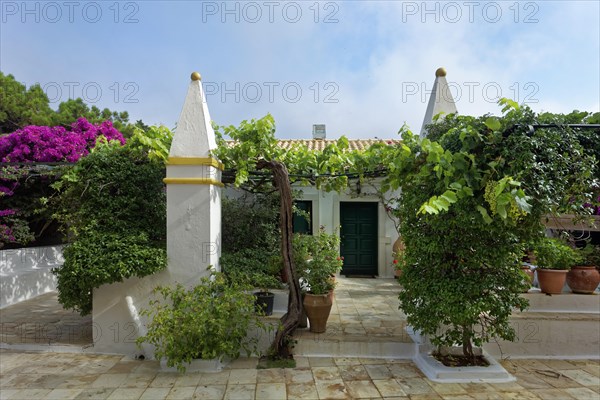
x,y
583,279
552,280
317,307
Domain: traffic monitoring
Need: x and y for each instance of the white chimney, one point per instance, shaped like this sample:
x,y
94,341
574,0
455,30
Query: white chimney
x,y
319,132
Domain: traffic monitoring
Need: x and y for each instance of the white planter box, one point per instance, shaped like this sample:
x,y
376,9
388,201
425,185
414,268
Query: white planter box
x,y
438,372
214,365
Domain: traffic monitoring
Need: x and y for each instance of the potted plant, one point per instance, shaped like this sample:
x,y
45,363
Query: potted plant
x,y
207,322
318,271
264,299
248,268
584,278
554,258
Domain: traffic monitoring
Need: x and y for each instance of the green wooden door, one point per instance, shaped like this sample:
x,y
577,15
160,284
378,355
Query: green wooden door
x,y
358,238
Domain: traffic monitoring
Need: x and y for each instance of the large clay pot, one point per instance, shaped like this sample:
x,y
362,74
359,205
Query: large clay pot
x,y
317,307
583,279
398,246
529,273
552,281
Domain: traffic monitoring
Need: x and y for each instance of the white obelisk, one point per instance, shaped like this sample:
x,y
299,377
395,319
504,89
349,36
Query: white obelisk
x,y
193,191
440,101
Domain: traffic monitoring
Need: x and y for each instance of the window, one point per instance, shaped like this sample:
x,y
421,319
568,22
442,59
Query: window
x,y
300,222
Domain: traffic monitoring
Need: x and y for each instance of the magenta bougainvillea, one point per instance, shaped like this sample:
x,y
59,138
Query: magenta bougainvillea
x,y
55,144
42,144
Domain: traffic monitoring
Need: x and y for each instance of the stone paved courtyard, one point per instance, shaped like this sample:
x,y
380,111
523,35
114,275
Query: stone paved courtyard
x,y
85,376
365,310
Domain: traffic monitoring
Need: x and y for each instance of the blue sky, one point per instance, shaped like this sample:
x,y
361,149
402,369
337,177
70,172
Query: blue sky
x,y
363,68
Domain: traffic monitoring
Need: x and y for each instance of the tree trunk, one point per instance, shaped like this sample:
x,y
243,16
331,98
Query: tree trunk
x,y
467,346
289,322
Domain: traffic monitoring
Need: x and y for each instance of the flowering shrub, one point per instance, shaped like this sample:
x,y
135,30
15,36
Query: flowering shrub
x,y
40,144
595,207
13,227
55,144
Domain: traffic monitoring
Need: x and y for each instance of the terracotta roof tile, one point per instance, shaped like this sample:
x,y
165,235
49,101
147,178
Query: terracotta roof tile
x,y
319,145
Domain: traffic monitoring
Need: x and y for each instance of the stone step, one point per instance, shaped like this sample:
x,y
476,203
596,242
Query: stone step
x,y
562,303
551,334
356,340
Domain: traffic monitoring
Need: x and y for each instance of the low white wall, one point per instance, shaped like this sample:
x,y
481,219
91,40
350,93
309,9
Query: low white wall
x,y
116,319
563,326
26,273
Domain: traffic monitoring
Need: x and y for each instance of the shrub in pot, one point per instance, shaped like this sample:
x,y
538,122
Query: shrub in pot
x,y
585,277
265,300
555,259
319,261
208,321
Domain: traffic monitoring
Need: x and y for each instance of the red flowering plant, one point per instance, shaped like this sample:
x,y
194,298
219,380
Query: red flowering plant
x,y
25,176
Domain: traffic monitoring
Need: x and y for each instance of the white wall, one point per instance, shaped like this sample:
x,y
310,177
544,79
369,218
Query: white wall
x,y
26,273
326,212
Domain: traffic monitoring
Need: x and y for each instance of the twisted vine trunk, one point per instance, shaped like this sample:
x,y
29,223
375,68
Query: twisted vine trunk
x,y
289,322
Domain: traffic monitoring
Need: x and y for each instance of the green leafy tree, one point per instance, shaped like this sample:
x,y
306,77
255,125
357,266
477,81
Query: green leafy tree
x,y
21,106
70,110
476,190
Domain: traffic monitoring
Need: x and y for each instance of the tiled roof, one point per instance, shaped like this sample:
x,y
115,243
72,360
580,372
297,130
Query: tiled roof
x,y
319,145
314,144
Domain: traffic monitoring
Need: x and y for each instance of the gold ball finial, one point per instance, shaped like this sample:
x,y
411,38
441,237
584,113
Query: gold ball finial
x,y
440,72
196,76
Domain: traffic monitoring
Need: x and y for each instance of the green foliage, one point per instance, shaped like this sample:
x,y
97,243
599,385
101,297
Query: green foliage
x,y
99,257
460,276
255,140
117,189
27,188
555,254
472,191
252,267
250,244
208,321
317,259
250,222
21,106
590,255
476,189
113,204
156,140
